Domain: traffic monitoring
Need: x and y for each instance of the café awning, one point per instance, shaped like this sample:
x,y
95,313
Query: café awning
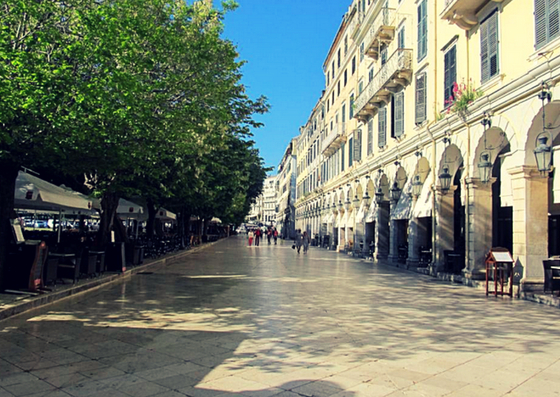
x,y
165,215
423,207
34,193
403,209
129,210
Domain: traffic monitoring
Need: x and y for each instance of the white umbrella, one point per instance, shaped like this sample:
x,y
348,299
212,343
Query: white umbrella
x,y
165,215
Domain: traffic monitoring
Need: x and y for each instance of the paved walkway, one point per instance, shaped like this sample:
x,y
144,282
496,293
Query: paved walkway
x,y
233,320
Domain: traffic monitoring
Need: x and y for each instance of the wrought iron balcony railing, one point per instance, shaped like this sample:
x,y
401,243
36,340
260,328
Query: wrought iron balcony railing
x,y
381,33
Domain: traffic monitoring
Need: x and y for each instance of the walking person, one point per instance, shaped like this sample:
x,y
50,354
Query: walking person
x,y
275,236
257,236
299,240
250,235
268,235
306,241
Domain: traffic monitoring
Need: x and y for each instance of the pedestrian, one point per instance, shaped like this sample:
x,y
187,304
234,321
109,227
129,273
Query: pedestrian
x,y
306,241
299,240
268,235
275,236
257,236
250,235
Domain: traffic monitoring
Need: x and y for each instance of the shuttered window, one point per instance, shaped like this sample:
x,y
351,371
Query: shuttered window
x,y
399,114
370,137
382,127
357,145
420,115
450,75
547,21
489,47
400,38
350,152
351,106
422,30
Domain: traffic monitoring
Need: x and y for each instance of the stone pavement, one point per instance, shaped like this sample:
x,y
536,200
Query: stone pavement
x,y
264,321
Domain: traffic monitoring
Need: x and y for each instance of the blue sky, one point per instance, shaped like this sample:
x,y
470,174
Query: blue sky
x,y
284,43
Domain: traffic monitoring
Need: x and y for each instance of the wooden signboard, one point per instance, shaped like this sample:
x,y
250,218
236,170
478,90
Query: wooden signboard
x,y
499,263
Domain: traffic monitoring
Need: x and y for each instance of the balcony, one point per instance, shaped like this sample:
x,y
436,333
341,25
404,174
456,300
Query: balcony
x,y
463,12
396,73
334,140
381,33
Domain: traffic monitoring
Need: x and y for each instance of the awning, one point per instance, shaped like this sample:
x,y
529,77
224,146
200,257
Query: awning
x,y
129,210
361,213
165,215
370,217
423,207
403,209
351,219
34,193
344,219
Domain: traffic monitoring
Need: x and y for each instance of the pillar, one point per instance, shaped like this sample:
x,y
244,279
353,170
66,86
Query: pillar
x,y
393,240
479,218
530,224
444,228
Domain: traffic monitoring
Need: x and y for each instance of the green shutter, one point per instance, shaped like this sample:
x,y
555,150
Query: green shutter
x,y
420,98
370,137
399,114
382,125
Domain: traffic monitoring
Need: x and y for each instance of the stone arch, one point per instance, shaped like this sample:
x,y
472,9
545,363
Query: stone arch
x,y
490,144
552,123
451,157
422,169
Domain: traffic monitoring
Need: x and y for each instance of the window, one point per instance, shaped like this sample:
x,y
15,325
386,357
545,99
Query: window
x,y
345,45
358,145
400,38
360,87
422,30
351,106
338,88
345,77
450,75
547,21
370,74
328,105
398,114
362,52
420,115
353,65
382,127
338,59
332,97
384,56
342,148
370,137
343,113
489,47
350,150
332,70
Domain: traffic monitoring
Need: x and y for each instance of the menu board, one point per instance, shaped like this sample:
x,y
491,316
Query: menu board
x,y
502,257
18,233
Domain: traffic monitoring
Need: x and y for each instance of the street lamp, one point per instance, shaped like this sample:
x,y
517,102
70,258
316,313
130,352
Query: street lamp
x,y
379,195
484,167
339,205
445,180
347,204
356,201
395,192
366,199
416,186
543,151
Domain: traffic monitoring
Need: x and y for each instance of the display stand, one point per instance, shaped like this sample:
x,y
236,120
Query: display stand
x,y
500,263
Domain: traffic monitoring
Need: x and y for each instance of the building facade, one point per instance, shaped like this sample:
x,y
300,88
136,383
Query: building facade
x,y
286,193
269,201
435,115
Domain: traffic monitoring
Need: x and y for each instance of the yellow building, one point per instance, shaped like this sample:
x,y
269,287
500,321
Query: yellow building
x,y
433,120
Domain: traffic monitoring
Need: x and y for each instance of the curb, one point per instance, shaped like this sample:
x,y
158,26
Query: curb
x,y
36,302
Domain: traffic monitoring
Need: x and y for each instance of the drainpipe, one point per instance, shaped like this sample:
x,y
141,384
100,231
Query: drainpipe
x,y
434,171
467,167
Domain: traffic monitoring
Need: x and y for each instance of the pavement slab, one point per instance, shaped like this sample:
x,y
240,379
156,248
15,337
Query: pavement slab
x,y
233,320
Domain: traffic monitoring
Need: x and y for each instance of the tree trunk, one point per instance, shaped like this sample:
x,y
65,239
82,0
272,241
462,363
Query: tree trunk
x,y
8,176
109,205
121,234
152,211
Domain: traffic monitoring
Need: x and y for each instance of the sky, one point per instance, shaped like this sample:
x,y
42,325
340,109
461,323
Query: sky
x,y
285,43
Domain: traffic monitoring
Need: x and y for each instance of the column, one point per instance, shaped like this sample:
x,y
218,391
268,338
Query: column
x,y
413,238
530,224
382,231
479,218
444,228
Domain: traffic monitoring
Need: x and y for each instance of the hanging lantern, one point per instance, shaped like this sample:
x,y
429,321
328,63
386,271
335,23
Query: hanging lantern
x,y
339,205
395,192
379,195
356,202
347,204
485,167
416,186
366,199
543,154
445,180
